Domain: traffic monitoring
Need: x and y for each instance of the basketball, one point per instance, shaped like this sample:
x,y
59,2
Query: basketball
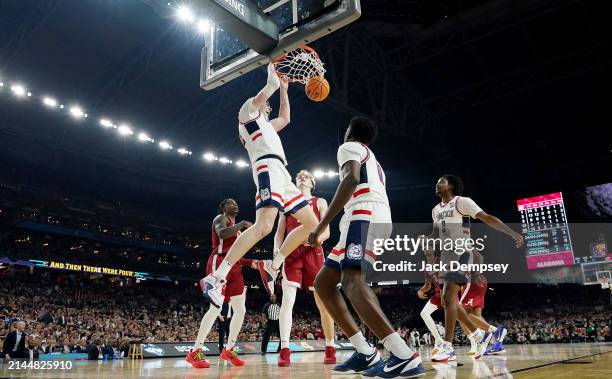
x,y
317,88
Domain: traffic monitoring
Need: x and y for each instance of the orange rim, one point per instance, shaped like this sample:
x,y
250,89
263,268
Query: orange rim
x,y
279,59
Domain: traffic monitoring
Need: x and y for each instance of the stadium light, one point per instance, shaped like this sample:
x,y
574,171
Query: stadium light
x,y
164,145
76,112
106,123
224,160
208,157
242,163
125,130
331,173
203,26
144,137
318,174
50,102
185,14
184,151
18,90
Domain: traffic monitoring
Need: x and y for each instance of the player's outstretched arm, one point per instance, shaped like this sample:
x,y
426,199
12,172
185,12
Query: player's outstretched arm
x,y
281,228
350,174
271,86
284,111
498,225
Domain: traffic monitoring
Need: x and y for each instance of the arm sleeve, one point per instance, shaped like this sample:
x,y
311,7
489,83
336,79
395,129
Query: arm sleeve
x,y
467,207
248,112
351,151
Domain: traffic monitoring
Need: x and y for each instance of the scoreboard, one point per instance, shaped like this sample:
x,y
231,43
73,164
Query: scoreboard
x,y
546,233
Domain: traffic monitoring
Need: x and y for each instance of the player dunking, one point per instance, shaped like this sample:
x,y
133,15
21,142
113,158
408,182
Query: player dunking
x,y
448,220
224,234
363,195
275,190
301,267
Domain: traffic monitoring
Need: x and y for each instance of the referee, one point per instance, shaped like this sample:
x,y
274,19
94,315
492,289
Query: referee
x,y
271,310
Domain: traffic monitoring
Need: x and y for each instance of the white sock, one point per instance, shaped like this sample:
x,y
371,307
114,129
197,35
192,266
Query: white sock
x,y
285,319
207,323
492,329
473,346
278,261
361,345
329,342
395,344
223,269
239,310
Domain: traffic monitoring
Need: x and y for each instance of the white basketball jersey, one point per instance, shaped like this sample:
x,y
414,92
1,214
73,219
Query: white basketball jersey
x,y
257,134
453,218
371,175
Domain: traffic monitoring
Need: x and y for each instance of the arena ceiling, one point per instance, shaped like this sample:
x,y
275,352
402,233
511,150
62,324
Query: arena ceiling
x,y
504,93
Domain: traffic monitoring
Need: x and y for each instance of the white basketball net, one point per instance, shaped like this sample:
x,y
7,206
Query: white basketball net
x,y
299,65
604,283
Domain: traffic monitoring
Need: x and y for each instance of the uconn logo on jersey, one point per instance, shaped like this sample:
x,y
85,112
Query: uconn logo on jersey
x,y
444,214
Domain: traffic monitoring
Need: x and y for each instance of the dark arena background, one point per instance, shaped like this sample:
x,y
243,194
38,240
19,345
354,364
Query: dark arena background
x,y
119,140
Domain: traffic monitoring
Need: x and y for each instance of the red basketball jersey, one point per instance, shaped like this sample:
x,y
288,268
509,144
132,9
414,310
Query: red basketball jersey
x,y
222,246
293,222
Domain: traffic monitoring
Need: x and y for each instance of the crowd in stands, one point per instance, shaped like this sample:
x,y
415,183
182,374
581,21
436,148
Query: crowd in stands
x,y
68,312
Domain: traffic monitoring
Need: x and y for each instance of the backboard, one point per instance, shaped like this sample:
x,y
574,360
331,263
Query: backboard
x,y
593,272
247,34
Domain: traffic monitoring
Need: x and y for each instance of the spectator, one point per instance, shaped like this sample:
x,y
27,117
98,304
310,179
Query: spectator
x,y
14,345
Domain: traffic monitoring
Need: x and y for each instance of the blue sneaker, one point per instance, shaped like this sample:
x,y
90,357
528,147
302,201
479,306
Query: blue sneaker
x,y
500,334
357,363
395,367
497,348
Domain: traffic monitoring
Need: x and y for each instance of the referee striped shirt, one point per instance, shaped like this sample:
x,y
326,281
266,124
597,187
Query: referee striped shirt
x,y
272,310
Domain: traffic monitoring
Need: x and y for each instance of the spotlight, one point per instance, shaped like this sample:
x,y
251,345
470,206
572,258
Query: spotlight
x,y
50,102
331,173
106,123
164,145
224,160
29,94
318,174
125,130
203,26
242,164
76,112
184,14
208,157
18,90
184,151
143,137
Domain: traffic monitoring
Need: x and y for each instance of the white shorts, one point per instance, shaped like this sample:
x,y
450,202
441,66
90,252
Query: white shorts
x,y
275,188
360,225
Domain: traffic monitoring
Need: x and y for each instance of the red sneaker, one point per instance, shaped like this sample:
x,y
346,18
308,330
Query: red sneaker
x,y
330,355
231,356
284,358
197,359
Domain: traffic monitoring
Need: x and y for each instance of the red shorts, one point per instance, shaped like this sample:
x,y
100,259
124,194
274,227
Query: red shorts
x,y
436,300
302,266
473,295
235,281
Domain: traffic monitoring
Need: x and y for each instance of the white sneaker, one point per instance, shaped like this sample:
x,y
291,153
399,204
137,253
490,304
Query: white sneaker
x,y
212,289
437,347
446,354
268,275
481,347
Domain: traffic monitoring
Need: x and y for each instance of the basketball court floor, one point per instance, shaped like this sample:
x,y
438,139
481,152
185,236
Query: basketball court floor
x,y
524,361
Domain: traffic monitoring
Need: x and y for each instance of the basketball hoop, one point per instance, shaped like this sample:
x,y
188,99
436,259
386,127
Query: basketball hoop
x,y
299,65
603,277
604,283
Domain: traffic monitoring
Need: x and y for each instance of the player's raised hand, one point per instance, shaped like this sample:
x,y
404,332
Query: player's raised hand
x,y
273,79
284,84
519,241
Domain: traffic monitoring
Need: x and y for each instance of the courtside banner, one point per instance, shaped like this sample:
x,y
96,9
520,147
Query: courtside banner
x,y
542,249
180,349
